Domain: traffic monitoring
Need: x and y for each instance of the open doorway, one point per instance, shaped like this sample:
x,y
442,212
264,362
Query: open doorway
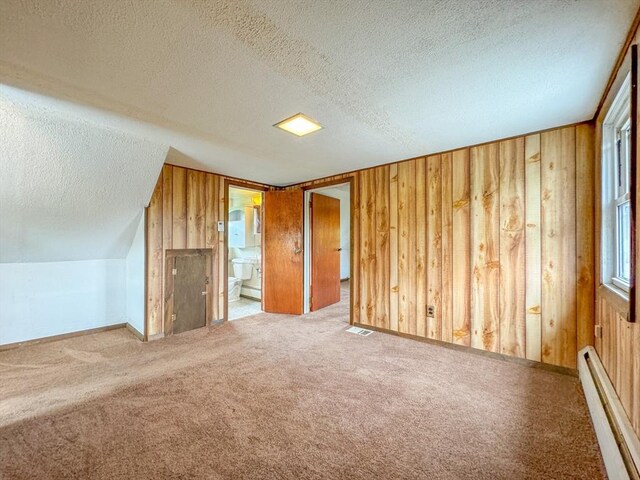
x,y
327,249
243,252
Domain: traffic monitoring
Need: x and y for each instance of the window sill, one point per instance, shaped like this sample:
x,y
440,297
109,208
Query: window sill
x,y
618,298
621,293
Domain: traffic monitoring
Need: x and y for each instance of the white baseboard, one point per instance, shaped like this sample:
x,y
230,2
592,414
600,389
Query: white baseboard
x,y
609,419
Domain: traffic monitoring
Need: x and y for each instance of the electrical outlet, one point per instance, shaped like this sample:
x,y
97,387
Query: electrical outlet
x,y
431,311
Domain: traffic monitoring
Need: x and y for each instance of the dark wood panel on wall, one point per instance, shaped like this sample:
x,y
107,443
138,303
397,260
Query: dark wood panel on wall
x,y
183,213
488,236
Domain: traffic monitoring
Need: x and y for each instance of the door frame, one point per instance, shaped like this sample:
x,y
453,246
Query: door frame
x,y
245,186
168,283
306,189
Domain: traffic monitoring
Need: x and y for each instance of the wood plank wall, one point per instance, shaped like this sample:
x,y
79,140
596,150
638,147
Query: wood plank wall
x,y
183,213
493,236
619,343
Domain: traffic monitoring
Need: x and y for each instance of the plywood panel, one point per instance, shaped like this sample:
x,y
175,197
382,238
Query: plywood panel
x,y
355,249
382,247
619,350
434,248
461,245
179,207
211,239
585,234
222,281
421,248
154,252
196,233
393,247
485,235
558,247
167,207
406,248
533,294
512,248
634,358
367,248
447,247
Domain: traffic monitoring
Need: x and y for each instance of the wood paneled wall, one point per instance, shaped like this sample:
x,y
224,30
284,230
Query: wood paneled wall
x,y
183,213
497,237
619,343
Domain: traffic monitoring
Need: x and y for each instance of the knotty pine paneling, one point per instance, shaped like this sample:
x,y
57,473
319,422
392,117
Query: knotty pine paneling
x,y
461,245
485,247
619,350
491,235
558,215
512,248
183,213
533,250
619,343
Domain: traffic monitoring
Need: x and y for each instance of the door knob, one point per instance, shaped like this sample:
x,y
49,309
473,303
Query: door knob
x,y
297,250
339,249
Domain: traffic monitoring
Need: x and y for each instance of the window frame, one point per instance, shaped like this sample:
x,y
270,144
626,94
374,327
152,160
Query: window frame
x,y
616,182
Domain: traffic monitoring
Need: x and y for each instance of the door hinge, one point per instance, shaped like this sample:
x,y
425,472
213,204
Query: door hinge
x,y
174,271
311,302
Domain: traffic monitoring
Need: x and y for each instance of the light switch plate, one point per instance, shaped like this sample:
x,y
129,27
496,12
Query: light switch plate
x,y
221,226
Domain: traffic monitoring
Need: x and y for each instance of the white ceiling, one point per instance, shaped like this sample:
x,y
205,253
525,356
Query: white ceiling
x,y
70,189
387,79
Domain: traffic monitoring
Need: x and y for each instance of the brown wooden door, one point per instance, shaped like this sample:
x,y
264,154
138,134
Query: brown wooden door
x,y
325,251
189,302
282,252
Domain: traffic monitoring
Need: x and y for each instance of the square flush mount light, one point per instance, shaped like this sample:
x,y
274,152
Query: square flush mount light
x,y
300,125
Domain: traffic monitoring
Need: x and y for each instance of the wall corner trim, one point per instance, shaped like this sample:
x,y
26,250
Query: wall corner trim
x,y
132,329
609,420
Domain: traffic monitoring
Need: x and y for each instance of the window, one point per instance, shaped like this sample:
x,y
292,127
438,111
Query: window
x,y
616,197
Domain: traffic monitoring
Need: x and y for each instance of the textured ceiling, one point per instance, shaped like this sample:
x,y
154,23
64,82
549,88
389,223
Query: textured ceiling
x,y
69,189
387,79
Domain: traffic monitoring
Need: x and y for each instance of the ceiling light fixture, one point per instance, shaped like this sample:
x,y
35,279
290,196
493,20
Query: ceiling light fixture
x,y
300,125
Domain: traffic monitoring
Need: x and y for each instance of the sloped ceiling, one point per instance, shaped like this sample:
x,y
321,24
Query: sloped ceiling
x,y
69,189
388,79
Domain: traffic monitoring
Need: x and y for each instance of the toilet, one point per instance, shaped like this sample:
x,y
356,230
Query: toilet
x,y
242,270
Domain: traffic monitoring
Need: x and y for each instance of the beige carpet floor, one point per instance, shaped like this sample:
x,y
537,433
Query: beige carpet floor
x,y
283,397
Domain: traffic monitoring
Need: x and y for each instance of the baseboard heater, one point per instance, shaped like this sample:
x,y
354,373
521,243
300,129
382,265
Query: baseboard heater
x,y
618,442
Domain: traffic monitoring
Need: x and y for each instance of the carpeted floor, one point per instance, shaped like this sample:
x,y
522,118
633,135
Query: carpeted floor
x,y
282,397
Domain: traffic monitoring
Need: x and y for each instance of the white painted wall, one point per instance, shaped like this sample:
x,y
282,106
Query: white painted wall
x,y
134,265
71,230
44,299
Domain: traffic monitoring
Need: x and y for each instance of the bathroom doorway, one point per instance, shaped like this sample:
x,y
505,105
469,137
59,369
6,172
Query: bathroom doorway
x,y
243,253
327,246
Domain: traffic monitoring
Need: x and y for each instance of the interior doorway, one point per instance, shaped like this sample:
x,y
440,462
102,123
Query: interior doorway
x,y
243,252
327,246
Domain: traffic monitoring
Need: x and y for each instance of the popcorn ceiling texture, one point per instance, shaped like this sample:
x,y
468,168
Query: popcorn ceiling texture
x,y
388,80
69,189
